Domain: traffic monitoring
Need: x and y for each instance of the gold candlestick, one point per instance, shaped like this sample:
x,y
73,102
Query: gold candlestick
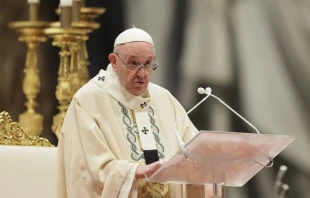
x,y
81,54
33,11
76,7
84,60
65,17
67,40
73,72
87,16
32,34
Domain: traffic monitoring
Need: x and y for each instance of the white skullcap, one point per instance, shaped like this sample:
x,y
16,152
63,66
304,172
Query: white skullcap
x,y
132,35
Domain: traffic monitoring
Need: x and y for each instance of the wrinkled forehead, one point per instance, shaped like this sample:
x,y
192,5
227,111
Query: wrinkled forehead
x,y
137,49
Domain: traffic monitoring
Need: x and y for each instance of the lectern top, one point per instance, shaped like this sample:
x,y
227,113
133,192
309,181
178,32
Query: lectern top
x,y
236,156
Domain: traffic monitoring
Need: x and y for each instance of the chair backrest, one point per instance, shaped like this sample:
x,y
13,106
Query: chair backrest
x,y
27,163
28,172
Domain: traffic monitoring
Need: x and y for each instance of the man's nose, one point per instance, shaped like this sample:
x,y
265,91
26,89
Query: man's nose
x,y
141,72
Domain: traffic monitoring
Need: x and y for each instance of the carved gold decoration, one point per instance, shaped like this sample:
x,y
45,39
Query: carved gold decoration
x,y
83,63
32,34
87,16
11,133
69,73
73,72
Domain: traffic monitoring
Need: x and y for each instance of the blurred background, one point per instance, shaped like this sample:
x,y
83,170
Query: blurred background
x,y
254,54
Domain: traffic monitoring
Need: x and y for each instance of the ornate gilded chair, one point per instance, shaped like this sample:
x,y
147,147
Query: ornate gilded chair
x,y
11,133
27,163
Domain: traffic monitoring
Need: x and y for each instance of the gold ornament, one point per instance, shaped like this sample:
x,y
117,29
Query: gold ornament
x,y
69,82
11,133
73,72
32,34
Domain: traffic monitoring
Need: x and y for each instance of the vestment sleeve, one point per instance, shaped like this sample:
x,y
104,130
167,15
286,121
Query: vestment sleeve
x,y
86,162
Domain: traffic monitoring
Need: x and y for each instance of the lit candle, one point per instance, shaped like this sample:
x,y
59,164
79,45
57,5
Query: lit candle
x,y
65,13
33,6
65,2
76,9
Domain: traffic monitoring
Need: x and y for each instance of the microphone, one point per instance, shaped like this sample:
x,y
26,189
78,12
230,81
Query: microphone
x,y
201,90
208,92
180,141
280,188
204,91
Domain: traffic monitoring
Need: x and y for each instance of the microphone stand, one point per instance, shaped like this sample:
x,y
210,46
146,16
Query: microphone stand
x,y
219,185
280,188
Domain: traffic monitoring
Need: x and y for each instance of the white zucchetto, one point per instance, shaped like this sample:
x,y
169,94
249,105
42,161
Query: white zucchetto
x,y
132,35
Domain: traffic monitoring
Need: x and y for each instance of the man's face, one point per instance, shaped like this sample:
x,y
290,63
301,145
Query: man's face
x,y
135,82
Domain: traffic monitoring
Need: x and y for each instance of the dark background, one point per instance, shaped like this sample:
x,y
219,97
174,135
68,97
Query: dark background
x,y
114,21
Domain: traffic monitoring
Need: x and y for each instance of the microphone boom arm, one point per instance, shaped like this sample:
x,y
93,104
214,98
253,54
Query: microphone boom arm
x,y
180,141
206,91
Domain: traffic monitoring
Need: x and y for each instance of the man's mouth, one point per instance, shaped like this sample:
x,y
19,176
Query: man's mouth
x,y
140,83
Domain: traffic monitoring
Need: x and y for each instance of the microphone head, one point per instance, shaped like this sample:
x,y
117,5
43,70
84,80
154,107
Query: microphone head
x,y
208,90
201,90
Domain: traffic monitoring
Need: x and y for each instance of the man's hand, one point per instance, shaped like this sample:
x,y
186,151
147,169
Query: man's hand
x,y
148,169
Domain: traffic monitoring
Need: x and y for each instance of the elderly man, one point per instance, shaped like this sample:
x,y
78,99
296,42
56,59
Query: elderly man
x,y
119,128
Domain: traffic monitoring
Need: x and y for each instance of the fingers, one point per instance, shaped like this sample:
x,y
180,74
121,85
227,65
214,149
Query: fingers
x,y
148,170
157,165
152,168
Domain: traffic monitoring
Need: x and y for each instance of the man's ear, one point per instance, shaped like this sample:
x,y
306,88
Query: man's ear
x,y
112,59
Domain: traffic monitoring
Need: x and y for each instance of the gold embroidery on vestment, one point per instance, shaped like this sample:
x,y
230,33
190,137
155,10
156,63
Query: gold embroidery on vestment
x,y
153,190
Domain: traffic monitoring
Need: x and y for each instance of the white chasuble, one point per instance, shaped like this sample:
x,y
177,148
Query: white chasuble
x,y
146,137
100,143
142,123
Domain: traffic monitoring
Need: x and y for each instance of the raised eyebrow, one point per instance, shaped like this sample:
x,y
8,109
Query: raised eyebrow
x,y
132,57
149,58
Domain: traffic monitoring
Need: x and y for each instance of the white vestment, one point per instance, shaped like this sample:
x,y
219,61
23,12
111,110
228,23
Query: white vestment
x,y
96,148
